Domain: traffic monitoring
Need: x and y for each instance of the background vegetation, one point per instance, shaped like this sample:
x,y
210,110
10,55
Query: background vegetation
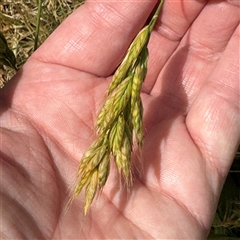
x,y
26,24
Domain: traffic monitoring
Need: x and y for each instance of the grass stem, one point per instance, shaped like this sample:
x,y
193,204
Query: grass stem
x,y
38,24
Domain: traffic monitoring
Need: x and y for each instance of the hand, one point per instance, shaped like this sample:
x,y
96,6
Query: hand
x,y
191,117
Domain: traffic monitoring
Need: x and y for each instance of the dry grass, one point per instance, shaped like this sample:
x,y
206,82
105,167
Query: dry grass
x,y
18,23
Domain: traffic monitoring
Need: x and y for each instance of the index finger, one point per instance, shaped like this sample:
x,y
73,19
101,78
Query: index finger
x,y
95,37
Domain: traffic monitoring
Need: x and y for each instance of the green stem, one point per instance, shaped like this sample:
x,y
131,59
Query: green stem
x,y
155,16
38,24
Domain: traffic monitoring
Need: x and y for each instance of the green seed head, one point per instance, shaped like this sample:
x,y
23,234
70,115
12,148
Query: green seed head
x,y
119,120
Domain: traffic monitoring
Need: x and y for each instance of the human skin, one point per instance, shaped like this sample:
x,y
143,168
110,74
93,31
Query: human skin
x,y
191,120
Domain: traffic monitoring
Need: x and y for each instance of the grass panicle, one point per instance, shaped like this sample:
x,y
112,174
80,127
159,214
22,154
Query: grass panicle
x,y
118,122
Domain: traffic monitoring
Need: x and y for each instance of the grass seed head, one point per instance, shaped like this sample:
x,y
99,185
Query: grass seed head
x,y
118,121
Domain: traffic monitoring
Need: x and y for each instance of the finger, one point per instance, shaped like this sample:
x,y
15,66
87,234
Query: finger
x,y
175,20
212,124
214,118
199,50
96,36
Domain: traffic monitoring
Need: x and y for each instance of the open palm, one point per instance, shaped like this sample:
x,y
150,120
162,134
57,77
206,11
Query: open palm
x,y
191,119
